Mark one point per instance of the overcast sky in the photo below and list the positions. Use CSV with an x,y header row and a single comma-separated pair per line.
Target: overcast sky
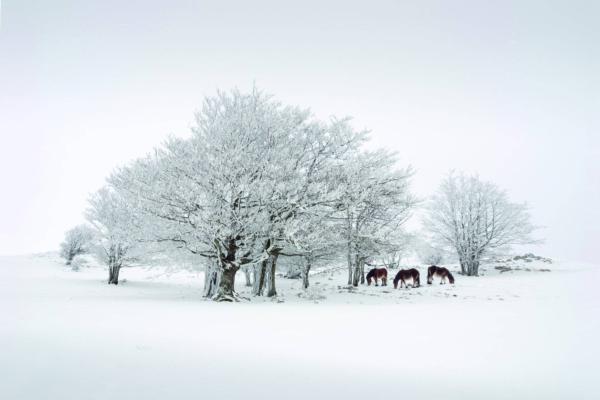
x,y
510,90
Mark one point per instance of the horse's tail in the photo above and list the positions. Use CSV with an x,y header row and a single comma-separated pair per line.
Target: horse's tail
x,y
450,278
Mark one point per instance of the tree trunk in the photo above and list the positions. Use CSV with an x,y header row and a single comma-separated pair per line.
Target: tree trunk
x,y
350,269
305,272
113,274
462,262
473,266
248,279
212,277
226,287
259,279
271,291
350,265
362,271
356,277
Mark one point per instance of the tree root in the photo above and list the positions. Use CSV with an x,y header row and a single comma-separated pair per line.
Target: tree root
x,y
232,298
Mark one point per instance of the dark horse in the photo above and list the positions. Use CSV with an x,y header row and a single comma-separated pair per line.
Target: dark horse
x,y
406,275
439,272
377,273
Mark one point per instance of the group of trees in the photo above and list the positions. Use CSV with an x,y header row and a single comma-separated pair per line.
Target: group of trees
x,y
258,181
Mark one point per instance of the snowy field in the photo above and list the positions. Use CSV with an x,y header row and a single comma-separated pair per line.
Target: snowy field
x,y
512,335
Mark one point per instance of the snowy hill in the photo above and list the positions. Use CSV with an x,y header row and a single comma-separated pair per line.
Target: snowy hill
x,y
528,328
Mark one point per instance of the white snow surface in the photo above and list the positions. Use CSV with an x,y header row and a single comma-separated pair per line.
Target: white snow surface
x,y
512,335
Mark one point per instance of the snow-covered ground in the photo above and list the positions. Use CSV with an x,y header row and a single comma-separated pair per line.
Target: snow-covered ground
x,y
512,335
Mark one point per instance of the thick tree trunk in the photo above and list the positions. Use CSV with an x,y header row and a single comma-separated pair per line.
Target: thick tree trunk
x,y
226,287
469,262
473,267
272,267
113,274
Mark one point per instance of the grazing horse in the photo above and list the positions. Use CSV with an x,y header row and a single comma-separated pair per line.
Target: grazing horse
x,y
377,273
439,272
406,275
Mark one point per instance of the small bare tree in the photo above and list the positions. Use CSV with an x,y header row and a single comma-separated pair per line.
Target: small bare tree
x,y
77,241
474,217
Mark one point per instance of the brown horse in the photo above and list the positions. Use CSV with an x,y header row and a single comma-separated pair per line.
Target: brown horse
x,y
406,275
439,272
377,273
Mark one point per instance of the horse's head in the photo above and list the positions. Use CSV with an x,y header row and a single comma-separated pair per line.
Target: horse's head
x,y
370,275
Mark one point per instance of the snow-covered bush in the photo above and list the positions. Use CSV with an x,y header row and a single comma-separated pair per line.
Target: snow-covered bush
x,y
78,263
77,241
428,253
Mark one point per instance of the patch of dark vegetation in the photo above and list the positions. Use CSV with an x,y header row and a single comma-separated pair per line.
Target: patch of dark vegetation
x,y
505,268
529,257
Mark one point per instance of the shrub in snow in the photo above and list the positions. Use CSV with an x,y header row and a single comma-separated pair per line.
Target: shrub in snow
x,y
77,241
313,293
78,263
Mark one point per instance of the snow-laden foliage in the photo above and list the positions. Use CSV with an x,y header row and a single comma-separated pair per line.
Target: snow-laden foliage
x,y
474,217
77,241
117,228
375,202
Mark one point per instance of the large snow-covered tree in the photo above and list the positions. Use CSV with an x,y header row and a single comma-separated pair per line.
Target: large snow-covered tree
x,y
77,241
474,217
228,192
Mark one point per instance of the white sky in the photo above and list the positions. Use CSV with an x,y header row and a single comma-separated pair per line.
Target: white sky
x,y
510,90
